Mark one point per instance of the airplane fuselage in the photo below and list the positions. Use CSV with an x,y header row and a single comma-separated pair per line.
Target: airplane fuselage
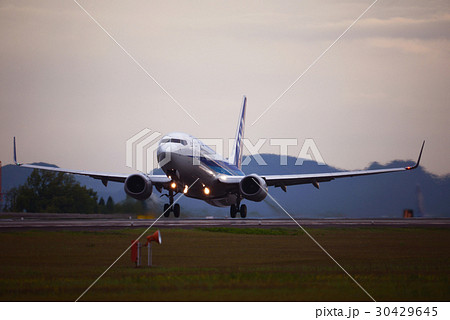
x,y
195,168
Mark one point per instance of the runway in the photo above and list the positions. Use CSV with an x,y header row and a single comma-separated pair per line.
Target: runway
x,y
80,221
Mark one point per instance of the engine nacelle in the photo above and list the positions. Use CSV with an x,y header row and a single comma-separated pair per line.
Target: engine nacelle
x,y
253,187
138,186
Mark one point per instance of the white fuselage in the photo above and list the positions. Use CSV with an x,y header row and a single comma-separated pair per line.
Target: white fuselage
x,y
192,165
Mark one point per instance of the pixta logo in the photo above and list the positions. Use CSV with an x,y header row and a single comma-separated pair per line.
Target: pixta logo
x,y
141,150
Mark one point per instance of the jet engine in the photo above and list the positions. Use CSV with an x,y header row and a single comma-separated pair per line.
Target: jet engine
x,y
253,187
138,186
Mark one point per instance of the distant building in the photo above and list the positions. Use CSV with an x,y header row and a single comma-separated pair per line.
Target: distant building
x,y
408,213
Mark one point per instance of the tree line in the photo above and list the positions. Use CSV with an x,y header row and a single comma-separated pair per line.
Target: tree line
x,y
57,192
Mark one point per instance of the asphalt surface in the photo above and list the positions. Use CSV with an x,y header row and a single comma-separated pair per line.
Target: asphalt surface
x,y
80,221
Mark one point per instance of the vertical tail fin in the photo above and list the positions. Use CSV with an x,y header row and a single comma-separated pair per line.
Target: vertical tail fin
x,y
236,153
15,154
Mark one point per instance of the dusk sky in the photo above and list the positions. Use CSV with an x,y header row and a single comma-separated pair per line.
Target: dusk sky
x,y
72,96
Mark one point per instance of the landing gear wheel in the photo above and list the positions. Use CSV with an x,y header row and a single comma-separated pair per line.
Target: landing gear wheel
x,y
233,211
166,210
176,210
243,211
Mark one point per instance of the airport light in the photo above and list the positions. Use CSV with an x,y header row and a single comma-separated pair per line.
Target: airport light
x,y
206,191
154,237
136,248
136,252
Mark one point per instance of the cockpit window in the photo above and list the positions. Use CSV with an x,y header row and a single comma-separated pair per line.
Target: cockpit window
x,y
174,140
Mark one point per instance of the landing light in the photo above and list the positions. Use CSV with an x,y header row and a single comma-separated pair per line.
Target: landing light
x,y
173,185
206,190
185,190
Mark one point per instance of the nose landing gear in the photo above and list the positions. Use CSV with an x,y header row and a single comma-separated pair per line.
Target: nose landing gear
x,y
168,207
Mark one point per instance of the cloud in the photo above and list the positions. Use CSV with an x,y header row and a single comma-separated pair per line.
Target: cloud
x,y
415,46
433,27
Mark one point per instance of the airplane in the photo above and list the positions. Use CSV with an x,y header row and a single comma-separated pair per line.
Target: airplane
x,y
197,171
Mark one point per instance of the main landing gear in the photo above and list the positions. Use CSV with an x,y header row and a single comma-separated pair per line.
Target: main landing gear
x,y
168,207
235,208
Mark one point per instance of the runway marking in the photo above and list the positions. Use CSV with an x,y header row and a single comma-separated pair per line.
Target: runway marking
x,y
38,221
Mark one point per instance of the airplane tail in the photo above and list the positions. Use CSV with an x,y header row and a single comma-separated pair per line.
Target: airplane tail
x,y
236,153
15,154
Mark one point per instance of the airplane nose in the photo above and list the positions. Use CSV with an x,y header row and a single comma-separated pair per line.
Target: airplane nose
x,y
161,152
161,156
162,148
165,150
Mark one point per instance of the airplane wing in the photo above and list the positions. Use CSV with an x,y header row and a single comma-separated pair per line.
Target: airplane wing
x,y
294,179
157,180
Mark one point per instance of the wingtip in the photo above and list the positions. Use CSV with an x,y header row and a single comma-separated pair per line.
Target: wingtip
x,y
15,153
418,160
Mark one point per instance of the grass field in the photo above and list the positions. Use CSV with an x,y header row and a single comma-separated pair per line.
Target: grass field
x,y
228,264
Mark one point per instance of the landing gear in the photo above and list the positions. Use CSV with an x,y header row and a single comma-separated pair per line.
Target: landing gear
x,y
175,208
243,210
233,211
166,210
235,208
